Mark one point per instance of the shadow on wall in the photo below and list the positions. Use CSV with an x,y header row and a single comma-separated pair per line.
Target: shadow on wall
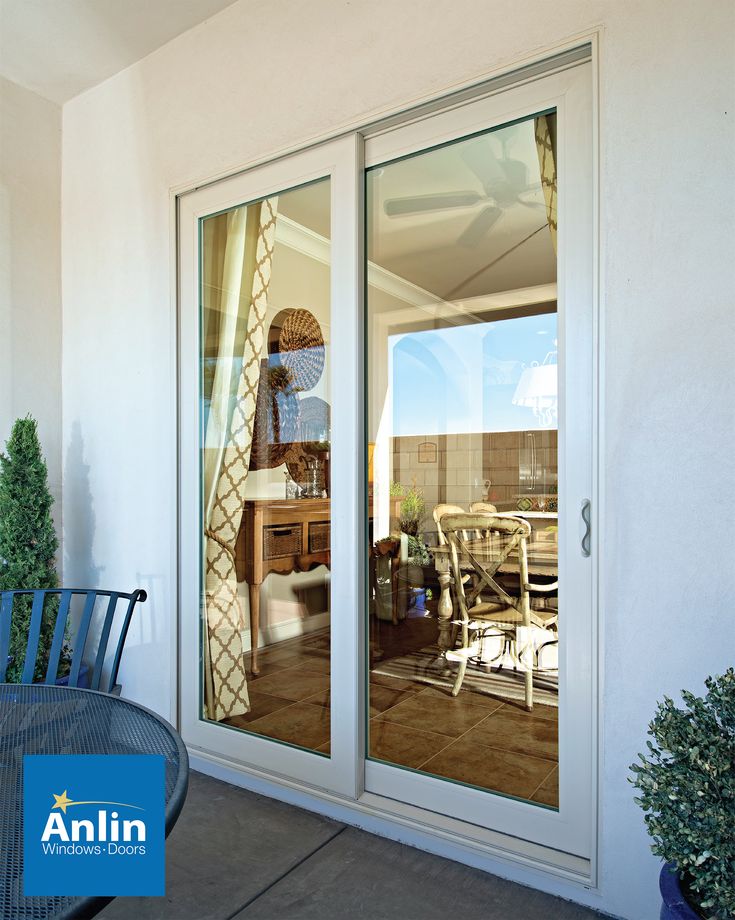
x,y
80,570
142,654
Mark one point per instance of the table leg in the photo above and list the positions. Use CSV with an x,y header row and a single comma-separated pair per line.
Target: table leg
x,y
445,612
254,591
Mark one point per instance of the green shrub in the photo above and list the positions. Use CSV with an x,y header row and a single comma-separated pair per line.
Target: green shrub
x,y
28,541
686,782
418,552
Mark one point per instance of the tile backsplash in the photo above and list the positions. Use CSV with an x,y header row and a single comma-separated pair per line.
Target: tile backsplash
x,y
514,463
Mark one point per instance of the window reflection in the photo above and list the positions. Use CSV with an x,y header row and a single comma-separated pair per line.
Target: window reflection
x,y
265,460
462,419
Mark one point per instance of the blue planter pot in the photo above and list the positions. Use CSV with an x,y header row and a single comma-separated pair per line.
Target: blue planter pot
x,y
84,677
675,906
83,681
417,604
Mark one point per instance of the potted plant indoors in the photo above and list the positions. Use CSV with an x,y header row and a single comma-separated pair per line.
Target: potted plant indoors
x,y
418,558
28,547
411,511
686,784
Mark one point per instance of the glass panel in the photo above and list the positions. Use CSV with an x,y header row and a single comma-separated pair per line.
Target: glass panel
x,y
462,420
265,434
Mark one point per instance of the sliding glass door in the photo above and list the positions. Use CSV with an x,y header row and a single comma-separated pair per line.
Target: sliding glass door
x,y
268,273
386,468
479,388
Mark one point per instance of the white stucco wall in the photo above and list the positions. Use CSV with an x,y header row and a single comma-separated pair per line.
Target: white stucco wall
x,y
30,270
265,75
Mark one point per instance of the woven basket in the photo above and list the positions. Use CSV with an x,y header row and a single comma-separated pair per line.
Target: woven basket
x,y
319,537
281,540
301,348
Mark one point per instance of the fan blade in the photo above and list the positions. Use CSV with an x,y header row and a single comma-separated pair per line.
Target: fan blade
x,y
480,226
480,158
536,205
516,173
395,207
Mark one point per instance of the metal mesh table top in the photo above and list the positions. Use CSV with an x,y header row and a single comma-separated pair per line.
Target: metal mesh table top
x,y
39,719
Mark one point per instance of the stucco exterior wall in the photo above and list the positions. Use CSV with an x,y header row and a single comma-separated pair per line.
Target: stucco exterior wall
x,y
30,270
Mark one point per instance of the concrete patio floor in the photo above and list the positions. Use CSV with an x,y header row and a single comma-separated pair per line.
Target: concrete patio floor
x,y
234,855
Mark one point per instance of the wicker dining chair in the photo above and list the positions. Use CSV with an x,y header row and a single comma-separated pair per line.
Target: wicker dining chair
x,y
439,511
480,544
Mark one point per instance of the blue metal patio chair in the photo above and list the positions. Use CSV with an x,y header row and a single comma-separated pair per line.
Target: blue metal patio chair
x,y
65,595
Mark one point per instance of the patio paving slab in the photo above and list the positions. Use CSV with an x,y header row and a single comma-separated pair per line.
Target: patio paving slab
x,y
227,846
235,855
364,877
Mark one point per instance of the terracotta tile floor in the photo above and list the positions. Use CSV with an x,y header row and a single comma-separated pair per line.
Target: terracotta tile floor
x,y
473,738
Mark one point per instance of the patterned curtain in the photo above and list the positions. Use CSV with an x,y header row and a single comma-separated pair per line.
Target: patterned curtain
x,y
248,255
545,129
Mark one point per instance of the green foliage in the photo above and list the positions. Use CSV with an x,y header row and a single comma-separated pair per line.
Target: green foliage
x,y
687,789
418,552
412,511
28,541
397,490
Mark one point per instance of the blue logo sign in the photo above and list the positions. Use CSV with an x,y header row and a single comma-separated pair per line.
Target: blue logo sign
x,y
93,824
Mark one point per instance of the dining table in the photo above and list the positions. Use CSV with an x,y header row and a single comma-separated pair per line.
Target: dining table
x,y
50,719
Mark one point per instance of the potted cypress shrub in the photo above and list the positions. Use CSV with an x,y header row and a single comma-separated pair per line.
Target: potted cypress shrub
x,y
686,784
28,545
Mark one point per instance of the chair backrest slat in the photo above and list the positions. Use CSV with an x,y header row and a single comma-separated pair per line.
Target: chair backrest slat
x,y
136,596
6,616
57,645
104,638
81,638
34,634
79,641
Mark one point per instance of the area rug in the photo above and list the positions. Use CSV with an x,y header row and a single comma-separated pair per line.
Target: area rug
x,y
422,667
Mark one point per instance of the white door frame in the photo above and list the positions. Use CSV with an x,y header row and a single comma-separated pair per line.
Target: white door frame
x,y
336,785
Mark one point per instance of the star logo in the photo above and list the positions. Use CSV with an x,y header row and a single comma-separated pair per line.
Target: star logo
x,y
61,801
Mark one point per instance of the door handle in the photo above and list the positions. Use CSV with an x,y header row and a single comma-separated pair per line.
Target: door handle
x,y
586,520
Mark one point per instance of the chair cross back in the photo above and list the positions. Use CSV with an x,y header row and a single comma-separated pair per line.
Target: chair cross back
x,y
458,527
40,603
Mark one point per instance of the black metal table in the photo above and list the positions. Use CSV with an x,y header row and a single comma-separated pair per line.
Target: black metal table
x,y
39,719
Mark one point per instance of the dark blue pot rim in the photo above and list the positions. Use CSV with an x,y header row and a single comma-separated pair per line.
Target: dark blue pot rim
x,y
677,905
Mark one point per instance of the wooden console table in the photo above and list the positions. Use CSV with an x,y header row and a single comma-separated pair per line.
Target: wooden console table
x,y
279,535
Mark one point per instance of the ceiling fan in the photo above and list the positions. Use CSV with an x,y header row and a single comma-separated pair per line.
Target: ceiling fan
x,y
504,181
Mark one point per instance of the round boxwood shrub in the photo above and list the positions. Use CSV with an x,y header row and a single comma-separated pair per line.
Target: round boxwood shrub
x,y
686,782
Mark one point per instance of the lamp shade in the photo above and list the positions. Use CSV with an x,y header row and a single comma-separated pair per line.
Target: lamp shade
x,y
537,389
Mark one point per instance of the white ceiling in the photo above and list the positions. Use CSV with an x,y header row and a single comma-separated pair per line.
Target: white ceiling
x,y
59,48
427,248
